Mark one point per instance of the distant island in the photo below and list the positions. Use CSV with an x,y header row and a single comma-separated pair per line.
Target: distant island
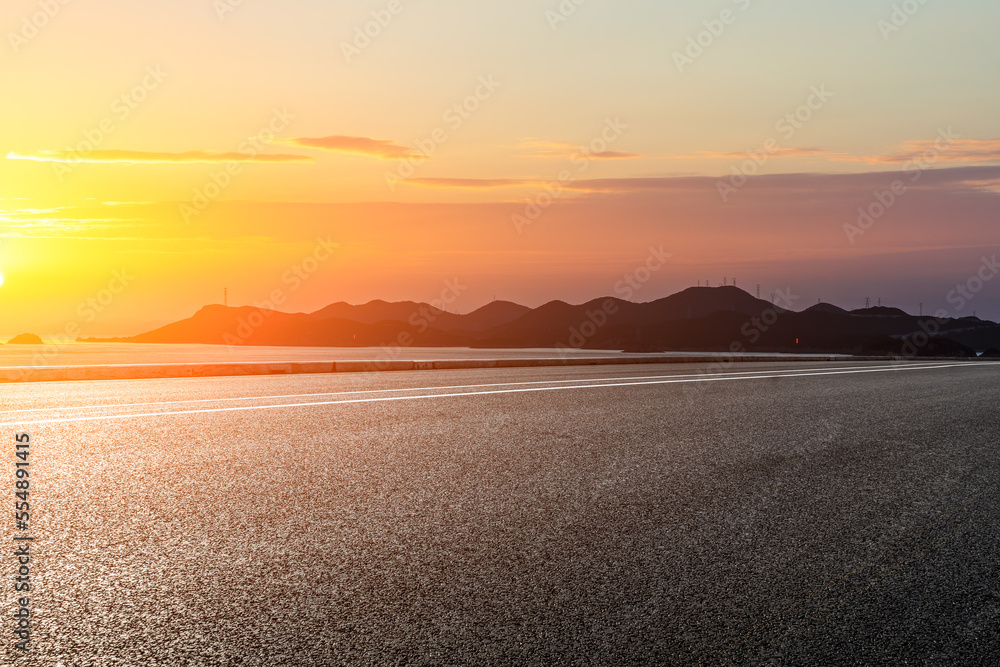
x,y
707,319
26,339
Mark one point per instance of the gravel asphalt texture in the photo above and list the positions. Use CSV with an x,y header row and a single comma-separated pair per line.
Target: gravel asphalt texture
x,y
848,519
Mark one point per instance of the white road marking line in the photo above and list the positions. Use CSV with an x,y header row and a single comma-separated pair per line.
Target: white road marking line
x,y
459,386
471,393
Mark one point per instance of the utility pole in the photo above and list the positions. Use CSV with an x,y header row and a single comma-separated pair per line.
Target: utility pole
x,y
921,310
225,297
868,302
758,291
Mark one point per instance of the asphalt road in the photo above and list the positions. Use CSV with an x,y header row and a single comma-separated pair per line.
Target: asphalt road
x,y
775,514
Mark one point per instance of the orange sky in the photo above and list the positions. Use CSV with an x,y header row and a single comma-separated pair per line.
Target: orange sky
x,y
157,153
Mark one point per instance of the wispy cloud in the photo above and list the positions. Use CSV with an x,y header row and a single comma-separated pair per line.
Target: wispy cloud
x,y
976,178
472,183
582,186
147,157
957,150
40,226
380,148
564,149
778,152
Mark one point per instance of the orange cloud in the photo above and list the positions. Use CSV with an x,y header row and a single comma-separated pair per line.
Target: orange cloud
x,y
380,148
585,186
937,150
472,183
565,149
147,157
978,178
780,152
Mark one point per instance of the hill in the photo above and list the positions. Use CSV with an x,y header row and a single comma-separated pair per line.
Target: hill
x,y
696,319
879,311
26,339
826,308
491,315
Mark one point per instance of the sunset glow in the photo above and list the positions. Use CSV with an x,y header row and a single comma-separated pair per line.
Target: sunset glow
x,y
509,332
200,146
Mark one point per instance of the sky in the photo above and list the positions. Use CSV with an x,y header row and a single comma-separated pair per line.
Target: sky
x,y
155,154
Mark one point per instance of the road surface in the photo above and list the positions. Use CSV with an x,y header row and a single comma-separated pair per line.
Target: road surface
x,y
779,514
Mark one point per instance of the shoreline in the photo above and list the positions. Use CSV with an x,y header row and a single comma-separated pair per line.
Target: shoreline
x,y
29,374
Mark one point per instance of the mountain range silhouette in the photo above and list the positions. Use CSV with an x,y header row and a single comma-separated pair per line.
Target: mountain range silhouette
x,y
696,319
